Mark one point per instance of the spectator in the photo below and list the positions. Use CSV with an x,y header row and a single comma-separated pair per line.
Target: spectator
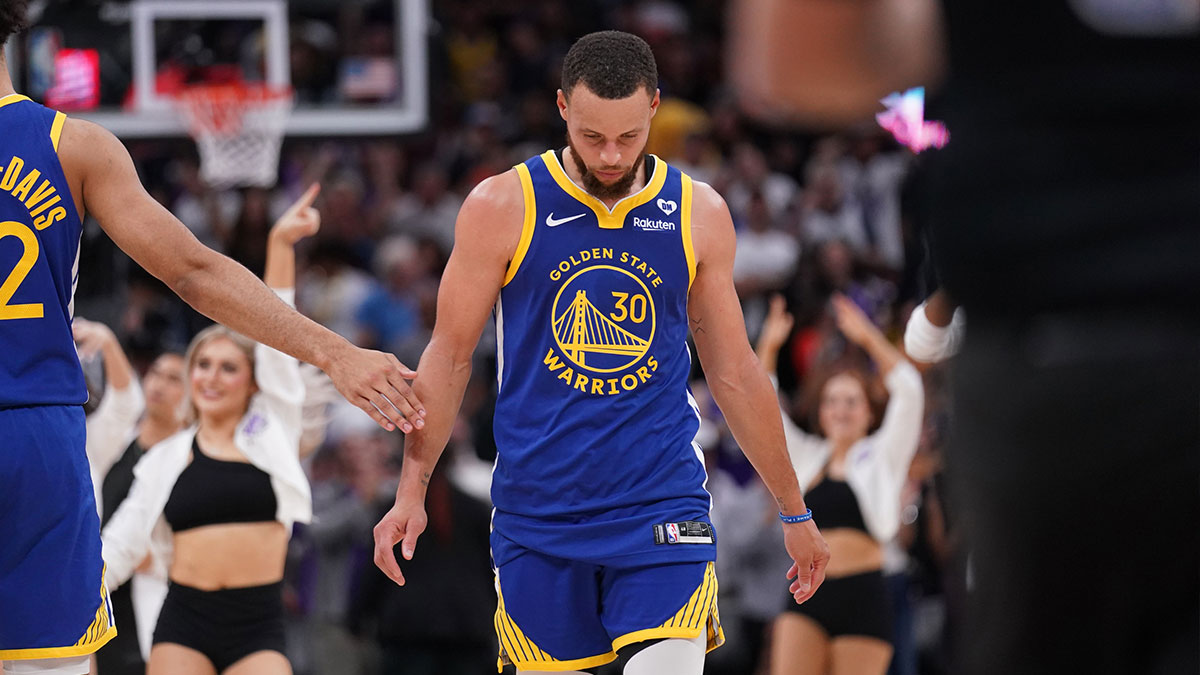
x,y
752,175
872,180
855,480
388,315
826,214
456,579
429,210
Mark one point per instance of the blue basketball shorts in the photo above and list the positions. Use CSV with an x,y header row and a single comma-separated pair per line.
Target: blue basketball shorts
x,y
53,602
555,614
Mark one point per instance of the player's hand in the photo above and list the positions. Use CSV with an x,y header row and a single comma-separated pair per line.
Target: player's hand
x,y
810,554
300,220
852,321
91,336
403,523
378,384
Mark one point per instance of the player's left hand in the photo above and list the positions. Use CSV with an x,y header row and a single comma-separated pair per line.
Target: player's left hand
x,y
810,555
402,524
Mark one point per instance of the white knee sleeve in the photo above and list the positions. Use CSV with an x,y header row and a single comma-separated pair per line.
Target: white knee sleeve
x,y
70,665
673,656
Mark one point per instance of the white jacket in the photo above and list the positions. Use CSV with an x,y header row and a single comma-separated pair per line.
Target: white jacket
x,y
268,434
111,427
876,466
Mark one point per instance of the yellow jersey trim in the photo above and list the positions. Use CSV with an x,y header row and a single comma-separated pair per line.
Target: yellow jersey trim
x,y
608,219
527,227
519,650
12,98
698,614
685,226
98,633
56,128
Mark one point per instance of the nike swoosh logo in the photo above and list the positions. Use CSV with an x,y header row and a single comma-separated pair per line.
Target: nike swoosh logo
x,y
551,222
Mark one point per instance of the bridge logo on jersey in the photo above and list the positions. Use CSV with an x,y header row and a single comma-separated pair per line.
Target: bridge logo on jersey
x,y
603,321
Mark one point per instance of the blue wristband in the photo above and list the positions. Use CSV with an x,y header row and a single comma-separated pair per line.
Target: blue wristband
x,y
807,515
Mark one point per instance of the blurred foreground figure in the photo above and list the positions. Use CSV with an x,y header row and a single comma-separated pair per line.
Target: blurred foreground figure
x,y
1065,215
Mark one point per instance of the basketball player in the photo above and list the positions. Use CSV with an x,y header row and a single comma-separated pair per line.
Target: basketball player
x,y
1065,213
598,259
54,608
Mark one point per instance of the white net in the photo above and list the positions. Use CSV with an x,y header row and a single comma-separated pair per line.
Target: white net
x,y
238,130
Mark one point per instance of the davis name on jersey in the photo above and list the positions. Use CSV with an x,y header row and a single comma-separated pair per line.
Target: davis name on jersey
x,y
20,184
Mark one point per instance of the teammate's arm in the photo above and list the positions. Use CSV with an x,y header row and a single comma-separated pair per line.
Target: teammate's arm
x,y
220,288
741,387
940,308
486,236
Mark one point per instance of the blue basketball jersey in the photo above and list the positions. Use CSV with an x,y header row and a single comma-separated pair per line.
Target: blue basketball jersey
x,y
39,261
594,423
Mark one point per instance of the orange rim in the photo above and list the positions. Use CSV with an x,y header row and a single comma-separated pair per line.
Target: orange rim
x,y
219,108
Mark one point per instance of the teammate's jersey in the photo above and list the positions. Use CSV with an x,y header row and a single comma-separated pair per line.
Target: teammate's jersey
x,y
39,261
595,422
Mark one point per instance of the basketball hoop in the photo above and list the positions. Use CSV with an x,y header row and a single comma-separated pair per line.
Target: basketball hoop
x,y
238,129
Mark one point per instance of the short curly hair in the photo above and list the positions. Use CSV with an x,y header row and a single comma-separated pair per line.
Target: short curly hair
x,y
611,64
13,18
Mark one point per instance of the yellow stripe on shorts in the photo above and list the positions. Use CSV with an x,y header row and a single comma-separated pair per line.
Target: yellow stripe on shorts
x,y
699,614
519,650
98,633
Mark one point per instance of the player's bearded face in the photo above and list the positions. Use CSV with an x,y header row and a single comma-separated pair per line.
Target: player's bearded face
x,y
598,187
607,137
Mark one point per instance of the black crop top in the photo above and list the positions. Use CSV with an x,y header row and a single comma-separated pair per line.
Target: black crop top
x,y
212,491
834,505
118,480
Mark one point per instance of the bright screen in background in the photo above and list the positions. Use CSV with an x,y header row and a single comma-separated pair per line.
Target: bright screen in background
x,y
76,80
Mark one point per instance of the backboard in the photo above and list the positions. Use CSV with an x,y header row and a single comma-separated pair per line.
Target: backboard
x,y
359,68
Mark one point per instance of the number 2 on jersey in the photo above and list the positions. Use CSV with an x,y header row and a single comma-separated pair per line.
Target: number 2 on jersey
x,y
9,288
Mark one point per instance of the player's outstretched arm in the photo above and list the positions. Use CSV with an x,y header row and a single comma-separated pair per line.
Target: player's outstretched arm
x,y
486,237
741,387
103,173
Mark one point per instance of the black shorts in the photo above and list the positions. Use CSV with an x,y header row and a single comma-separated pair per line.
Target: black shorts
x,y
1066,427
855,605
225,625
